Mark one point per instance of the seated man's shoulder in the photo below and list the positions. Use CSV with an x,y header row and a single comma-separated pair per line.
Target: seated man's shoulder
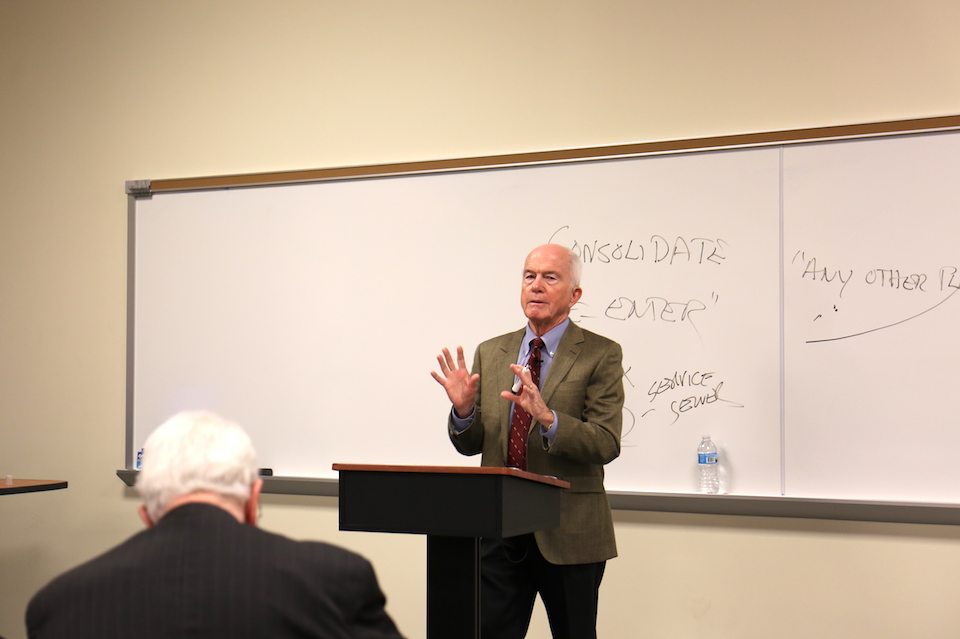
x,y
330,555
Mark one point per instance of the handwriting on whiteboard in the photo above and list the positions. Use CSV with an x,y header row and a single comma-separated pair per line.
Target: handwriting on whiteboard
x,y
886,279
687,391
657,249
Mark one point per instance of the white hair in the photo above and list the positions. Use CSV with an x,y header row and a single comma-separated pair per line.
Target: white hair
x,y
195,451
576,267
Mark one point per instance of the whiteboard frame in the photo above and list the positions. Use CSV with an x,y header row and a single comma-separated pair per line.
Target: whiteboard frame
x,y
145,188
775,506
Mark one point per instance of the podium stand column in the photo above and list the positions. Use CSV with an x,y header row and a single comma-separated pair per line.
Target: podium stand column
x,y
453,587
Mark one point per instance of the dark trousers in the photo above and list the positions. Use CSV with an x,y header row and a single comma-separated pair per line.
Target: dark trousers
x,y
513,572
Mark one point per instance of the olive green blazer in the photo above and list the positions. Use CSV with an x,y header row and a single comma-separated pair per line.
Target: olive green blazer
x,y
584,386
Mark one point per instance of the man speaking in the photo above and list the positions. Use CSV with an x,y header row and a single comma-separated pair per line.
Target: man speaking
x,y
547,398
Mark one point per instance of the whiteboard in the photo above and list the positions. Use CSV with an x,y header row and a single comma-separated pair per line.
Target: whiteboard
x,y
313,313
794,301
872,268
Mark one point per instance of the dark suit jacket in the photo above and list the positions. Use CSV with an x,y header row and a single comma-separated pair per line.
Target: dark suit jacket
x,y
585,388
200,573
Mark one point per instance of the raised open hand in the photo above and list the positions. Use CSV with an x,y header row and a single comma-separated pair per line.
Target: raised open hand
x,y
456,379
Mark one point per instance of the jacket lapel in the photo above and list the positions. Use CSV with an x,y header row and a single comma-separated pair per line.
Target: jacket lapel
x,y
506,355
571,344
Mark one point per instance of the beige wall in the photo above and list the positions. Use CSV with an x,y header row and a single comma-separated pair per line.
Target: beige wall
x,y
96,93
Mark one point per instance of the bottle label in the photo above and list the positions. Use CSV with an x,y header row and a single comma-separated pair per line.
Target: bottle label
x,y
707,458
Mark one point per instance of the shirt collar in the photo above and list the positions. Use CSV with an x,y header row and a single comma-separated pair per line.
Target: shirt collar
x,y
551,338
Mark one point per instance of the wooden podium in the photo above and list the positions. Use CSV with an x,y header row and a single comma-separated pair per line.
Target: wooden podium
x,y
454,507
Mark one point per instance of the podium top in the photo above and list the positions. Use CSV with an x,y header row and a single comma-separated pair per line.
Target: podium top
x,y
454,470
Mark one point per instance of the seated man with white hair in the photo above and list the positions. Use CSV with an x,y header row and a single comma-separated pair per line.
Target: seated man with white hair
x,y
202,568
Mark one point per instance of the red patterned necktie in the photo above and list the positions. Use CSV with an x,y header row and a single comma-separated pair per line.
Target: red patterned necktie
x,y
520,425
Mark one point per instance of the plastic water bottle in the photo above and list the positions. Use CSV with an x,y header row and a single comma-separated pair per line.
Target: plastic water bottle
x,y
707,462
